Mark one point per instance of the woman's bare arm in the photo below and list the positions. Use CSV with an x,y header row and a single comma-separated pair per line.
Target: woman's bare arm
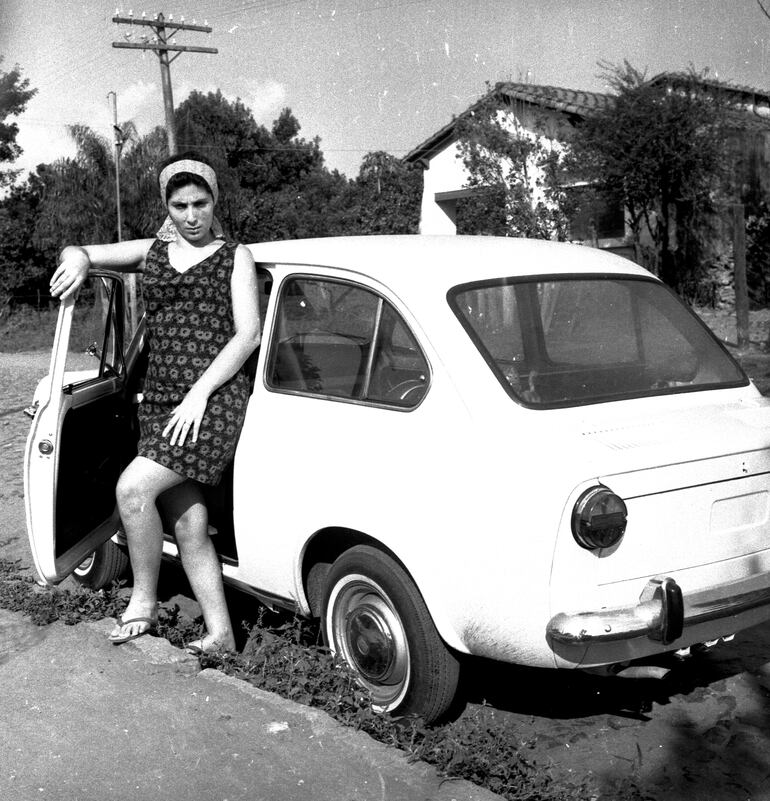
x,y
75,262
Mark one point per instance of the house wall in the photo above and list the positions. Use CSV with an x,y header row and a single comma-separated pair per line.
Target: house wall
x,y
446,173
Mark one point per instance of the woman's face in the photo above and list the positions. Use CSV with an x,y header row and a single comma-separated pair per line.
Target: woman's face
x,y
191,209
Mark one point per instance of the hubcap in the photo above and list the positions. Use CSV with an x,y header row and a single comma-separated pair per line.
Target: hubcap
x,y
369,635
371,643
85,565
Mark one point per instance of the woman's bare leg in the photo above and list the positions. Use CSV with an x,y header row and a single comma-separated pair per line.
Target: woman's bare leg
x,y
187,509
138,489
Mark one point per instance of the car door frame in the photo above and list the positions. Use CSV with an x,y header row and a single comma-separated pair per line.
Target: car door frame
x,y
42,457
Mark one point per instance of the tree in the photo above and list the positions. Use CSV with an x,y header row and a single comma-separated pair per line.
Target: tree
x,y
518,174
23,265
274,184
385,197
142,207
14,96
251,161
78,203
658,148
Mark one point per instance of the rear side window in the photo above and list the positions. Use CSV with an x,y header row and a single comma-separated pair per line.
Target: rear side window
x,y
340,340
566,341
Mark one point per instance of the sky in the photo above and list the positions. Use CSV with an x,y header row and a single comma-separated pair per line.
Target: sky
x,y
362,75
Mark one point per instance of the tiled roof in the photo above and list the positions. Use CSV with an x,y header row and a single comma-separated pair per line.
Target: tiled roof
x,y
751,107
569,101
726,86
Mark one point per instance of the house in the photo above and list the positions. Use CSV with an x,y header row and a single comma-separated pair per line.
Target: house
x,y
533,110
551,112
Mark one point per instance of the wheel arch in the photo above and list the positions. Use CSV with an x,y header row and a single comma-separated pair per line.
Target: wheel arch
x,y
328,544
321,551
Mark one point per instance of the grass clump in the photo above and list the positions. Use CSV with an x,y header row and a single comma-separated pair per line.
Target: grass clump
x,y
43,605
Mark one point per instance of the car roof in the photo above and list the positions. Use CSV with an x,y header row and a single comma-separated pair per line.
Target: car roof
x,y
448,260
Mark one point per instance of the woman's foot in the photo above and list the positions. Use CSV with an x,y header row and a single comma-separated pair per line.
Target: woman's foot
x,y
134,623
210,644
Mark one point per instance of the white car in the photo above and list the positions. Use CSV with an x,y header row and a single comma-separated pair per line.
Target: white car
x,y
524,450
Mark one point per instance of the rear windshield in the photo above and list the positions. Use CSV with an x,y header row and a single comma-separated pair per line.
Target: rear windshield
x,y
565,341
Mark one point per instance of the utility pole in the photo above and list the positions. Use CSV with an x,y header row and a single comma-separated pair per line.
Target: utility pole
x,y
118,142
118,147
162,44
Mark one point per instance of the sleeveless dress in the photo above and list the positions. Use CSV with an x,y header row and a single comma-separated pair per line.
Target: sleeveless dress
x,y
189,320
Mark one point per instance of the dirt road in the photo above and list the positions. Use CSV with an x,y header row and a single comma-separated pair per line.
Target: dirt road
x,y
702,733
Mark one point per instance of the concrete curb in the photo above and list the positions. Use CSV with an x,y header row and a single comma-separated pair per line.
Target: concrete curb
x,y
276,715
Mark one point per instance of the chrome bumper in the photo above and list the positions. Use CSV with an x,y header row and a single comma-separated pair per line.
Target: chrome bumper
x,y
662,613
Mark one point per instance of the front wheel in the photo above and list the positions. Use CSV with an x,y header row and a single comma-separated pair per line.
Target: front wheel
x,y
107,564
375,619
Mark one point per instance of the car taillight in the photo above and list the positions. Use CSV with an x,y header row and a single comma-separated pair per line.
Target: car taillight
x,y
599,518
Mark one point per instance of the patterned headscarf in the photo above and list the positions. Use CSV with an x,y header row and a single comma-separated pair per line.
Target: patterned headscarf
x,y
168,232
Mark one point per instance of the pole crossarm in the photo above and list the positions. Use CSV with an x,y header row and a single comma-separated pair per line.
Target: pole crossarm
x,y
157,23
161,47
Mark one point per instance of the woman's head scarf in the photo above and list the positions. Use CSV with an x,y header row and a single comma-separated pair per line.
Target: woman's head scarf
x,y
168,232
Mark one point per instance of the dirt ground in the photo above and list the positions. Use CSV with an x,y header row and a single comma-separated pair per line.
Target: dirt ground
x,y
701,733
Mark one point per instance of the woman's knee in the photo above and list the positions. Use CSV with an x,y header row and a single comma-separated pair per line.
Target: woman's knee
x,y
191,526
133,493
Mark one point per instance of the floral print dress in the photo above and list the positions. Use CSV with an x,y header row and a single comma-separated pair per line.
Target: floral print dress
x,y
189,321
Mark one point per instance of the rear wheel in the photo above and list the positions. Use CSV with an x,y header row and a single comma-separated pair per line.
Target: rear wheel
x,y
375,619
107,564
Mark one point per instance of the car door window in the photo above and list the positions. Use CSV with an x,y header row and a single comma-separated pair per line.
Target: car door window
x,y
95,349
340,340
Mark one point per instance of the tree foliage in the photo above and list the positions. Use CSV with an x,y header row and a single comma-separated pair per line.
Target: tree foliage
x,y
387,195
273,185
22,262
255,166
517,172
14,96
658,148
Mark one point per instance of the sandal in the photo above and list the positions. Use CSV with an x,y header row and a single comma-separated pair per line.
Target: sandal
x,y
152,624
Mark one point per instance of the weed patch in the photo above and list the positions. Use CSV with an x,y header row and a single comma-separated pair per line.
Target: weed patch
x,y
284,656
44,605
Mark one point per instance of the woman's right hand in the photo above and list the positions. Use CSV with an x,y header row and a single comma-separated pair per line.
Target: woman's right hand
x,y
71,272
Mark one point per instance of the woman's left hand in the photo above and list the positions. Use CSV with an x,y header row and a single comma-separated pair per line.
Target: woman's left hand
x,y
186,418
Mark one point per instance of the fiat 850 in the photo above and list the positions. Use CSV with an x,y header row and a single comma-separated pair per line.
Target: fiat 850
x,y
528,451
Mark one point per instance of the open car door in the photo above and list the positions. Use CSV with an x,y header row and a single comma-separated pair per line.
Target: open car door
x,y
84,431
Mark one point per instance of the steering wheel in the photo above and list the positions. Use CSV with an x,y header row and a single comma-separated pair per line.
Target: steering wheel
x,y
401,391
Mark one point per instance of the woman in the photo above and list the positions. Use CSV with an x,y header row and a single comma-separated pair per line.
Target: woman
x,y
202,322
